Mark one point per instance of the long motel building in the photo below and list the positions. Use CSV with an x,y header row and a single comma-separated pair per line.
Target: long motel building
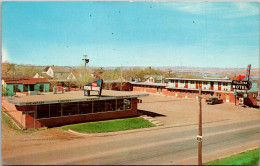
x,y
189,88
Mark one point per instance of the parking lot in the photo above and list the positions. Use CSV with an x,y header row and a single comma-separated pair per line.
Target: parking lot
x,y
178,111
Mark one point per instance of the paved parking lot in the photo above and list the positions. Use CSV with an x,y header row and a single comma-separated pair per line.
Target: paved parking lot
x,y
178,111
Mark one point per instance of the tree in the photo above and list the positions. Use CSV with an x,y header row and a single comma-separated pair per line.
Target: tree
x,y
84,76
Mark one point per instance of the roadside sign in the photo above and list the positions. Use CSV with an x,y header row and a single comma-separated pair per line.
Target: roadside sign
x,y
241,85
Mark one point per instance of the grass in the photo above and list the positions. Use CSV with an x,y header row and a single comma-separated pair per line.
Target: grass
x,y
110,125
246,158
8,121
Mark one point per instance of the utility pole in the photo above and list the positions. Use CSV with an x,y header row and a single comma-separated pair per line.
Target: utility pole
x,y
121,78
85,60
199,136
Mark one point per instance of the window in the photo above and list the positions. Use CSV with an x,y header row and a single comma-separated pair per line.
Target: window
x,y
182,81
99,106
225,84
110,105
69,109
123,104
85,107
55,110
42,111
205,83
192,82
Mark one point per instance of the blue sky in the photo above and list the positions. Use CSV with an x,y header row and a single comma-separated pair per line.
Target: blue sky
x,y
197,34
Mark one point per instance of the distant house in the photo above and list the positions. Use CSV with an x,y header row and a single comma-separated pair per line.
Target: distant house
x,y
54,72
154,78
12,85
74,75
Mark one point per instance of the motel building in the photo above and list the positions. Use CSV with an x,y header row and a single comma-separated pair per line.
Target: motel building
x,y
49,109
189,88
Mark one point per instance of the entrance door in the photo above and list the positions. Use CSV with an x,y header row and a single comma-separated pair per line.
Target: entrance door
x,y
219,86
200,83
211,85
186,84
197,85
176,83
227,98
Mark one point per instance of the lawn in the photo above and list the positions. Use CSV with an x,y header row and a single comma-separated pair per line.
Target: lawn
x,y
247,158
109,125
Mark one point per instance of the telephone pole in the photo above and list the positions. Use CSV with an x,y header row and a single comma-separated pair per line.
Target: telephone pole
x,y
199,136
85,60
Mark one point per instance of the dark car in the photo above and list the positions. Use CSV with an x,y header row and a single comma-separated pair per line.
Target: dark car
x,y
214,100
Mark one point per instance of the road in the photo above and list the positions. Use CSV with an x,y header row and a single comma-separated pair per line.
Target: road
x,y
169,145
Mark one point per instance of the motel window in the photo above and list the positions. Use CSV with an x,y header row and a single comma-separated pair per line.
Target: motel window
x,y
110,105
85,107
42,111
182,81
25,88
99,106
205,83
225,84
172,81
192,82
69,109
55,110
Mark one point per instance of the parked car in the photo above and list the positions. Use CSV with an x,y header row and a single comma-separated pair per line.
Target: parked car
x,y
214,100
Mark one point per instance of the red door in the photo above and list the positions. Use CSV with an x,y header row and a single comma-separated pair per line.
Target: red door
x,y
219,86
200,84
197,86
186,84
211,85
176,83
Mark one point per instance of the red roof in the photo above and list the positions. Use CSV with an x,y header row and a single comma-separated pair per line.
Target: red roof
x,y
25,80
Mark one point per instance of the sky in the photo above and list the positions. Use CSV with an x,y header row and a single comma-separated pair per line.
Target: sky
x,y
192,34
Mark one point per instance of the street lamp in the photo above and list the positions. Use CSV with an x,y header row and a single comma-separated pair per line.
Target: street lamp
x,y
85,60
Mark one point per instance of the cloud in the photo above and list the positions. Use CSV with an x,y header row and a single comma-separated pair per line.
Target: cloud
x,y
4,55
219,9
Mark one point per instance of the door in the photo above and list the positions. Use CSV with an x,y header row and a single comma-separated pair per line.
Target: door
x,y
219,86
211,85
186,84
200,83
31,87
176,83
197,85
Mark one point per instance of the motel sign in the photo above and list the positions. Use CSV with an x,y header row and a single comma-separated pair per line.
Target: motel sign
x,y
241,85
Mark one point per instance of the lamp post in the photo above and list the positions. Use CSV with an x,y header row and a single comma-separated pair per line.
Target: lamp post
x,y
85,60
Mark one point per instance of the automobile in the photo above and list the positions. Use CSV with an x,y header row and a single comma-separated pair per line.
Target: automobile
x,y
214,100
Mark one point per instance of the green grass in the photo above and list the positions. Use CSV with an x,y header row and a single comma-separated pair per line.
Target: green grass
x,y
8,121
110,125
246,158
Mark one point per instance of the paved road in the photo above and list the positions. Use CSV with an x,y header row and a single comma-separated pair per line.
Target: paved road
x,y
164,146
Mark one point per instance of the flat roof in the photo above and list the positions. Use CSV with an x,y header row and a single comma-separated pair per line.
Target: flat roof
x,y
200,79
149,83
72,96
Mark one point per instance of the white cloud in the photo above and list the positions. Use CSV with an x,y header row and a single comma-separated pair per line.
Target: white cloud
x,y
4,55
223,9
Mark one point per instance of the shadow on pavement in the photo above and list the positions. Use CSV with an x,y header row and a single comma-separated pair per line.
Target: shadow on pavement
x,y
148,113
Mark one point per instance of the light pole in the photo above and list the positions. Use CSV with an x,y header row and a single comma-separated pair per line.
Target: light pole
x,y
85,60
